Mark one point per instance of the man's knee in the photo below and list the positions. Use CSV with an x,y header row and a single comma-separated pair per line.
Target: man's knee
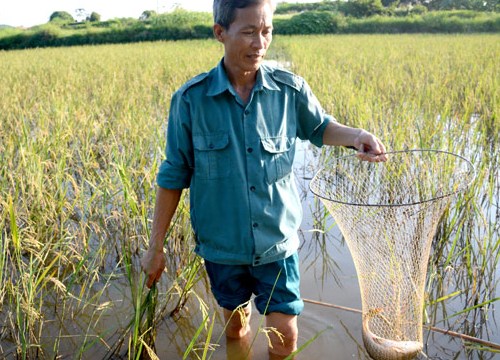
x,y
237,322
284,333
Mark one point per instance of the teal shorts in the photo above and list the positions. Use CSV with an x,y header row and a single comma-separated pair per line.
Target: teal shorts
x,y
276,285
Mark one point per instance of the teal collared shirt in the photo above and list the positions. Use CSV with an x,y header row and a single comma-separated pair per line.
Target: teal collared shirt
x,y
237,158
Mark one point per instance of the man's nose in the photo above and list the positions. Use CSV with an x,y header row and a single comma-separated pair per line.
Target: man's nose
x,y
259,41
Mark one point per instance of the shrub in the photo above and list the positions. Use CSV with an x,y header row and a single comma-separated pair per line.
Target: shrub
x,y
182,18
61,17
289,8
362,8
418,10
148,14
385,25
94,17
311,22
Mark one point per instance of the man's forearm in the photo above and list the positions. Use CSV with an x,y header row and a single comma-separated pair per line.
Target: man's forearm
x,y
166,203
340,135
369,147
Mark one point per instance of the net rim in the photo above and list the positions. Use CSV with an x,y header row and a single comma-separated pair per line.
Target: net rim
x,y
471,171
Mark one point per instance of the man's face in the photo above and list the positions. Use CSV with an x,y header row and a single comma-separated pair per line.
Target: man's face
x,y
248,37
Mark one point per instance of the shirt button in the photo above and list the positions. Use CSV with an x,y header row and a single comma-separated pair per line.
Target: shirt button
x,y
255,225
252,188
247,112
250,150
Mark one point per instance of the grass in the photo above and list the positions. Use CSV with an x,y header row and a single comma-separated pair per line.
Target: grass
x,y
82,134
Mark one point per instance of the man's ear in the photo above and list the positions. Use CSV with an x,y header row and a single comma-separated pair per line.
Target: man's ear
x,y
218,32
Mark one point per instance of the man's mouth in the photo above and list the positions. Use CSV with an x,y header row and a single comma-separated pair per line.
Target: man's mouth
x,y
256,56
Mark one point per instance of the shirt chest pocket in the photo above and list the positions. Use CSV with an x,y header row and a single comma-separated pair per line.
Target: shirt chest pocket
x,y
211,158
278,157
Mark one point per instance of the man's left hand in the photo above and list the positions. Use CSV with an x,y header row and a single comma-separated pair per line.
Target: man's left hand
x,y
370,148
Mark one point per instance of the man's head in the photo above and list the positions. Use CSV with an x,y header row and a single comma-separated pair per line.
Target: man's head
x,y
225,10
245,28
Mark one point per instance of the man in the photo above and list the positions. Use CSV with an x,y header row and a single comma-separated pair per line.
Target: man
x,y
231,140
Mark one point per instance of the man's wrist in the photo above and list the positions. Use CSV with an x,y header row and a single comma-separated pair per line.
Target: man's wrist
x,y
156,247
356,142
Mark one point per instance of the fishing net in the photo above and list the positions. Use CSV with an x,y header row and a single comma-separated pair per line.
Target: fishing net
x,y
388,213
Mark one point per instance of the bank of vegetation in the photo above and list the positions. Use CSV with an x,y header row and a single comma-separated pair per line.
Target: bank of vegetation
x,y
325,17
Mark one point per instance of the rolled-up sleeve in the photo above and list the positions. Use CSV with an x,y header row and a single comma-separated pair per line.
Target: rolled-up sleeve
x,y
312,119
176,170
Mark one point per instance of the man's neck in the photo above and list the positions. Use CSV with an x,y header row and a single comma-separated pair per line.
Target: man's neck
x,y
242,81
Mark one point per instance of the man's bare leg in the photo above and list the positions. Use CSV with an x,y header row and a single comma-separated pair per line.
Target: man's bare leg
x,y
238,333
238,321
286,325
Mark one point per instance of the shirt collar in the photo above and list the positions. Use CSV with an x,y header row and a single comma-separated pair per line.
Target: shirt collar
x,y
220,82
266,79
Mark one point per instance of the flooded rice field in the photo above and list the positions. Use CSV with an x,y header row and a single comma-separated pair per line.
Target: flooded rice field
x,y
82,133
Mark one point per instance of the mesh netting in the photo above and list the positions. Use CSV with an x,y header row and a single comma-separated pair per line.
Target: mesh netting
x,y
388,213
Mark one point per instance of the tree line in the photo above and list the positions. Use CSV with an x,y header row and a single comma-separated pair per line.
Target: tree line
x,y
362,8
325,17
354,8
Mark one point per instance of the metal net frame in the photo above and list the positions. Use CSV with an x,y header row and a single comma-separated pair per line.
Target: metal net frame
x,y
388,212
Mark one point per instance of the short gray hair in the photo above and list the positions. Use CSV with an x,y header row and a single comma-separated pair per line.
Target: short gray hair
x,y
225,10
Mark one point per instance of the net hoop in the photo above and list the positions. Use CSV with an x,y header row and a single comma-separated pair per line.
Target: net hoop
x,y
470,173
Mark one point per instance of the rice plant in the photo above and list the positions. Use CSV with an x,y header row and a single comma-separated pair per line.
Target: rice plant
x,y
82,133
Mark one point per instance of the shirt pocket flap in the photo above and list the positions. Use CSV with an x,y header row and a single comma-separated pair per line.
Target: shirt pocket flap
x,y
210,142
276,145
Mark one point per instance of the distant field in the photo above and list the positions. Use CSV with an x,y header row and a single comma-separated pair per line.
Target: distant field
x,y
82,134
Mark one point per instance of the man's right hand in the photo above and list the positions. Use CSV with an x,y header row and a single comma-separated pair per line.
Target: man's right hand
x,y
153,263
